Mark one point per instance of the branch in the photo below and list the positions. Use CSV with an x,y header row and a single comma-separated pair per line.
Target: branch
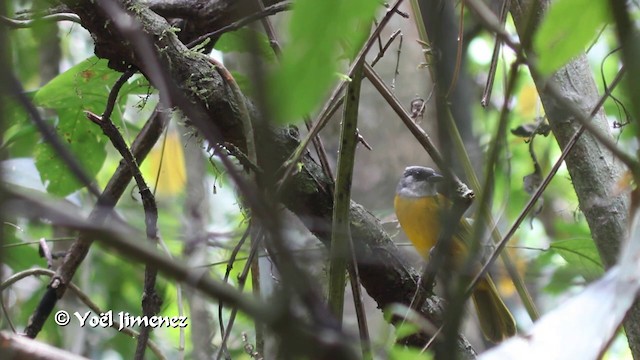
x,y
23,348
151,301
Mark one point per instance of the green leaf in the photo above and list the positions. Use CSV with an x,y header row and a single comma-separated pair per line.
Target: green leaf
x,y
83,87
21,134
567,28
14,114
240,41
19,254
581,254
399,352
19,140
406,329
320,31
562,279
245,85
85,142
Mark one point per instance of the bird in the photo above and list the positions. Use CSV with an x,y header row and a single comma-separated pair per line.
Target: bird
x,y
418,206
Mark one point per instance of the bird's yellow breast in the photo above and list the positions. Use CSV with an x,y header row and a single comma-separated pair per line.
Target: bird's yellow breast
x,y
421,220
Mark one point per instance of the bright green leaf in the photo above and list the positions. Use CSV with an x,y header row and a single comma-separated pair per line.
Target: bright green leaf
x,y
567,28
406,329
86,143
343,77
399,352
19,254
19,140
14,114
581,254
321,32
83,87
86,84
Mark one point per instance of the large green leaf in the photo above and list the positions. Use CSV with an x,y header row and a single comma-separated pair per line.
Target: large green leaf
x,y
320,32
85,86
581,254
567,28
86,143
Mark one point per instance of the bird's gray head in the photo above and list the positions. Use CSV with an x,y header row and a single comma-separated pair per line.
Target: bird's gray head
x,y
418,181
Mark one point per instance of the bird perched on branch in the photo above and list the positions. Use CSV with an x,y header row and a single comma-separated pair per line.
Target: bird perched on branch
x,y
419,209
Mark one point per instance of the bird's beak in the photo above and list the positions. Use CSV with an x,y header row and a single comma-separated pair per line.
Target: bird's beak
x,y
436,178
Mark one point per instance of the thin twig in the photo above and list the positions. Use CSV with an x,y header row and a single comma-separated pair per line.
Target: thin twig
x,y
456,72
151,301
268,11
243,112
230,262
493,66
396,72
242,279
23,24
386,46
6,315
269,30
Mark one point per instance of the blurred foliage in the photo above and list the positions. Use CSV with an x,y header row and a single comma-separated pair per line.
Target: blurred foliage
x,y
567,29
244,40
309,61
406,353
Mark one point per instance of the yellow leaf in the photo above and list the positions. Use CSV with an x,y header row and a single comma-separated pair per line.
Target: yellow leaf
x,y
172,176
528,104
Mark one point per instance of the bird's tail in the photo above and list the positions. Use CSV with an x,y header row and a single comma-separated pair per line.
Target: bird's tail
x,y
496,321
